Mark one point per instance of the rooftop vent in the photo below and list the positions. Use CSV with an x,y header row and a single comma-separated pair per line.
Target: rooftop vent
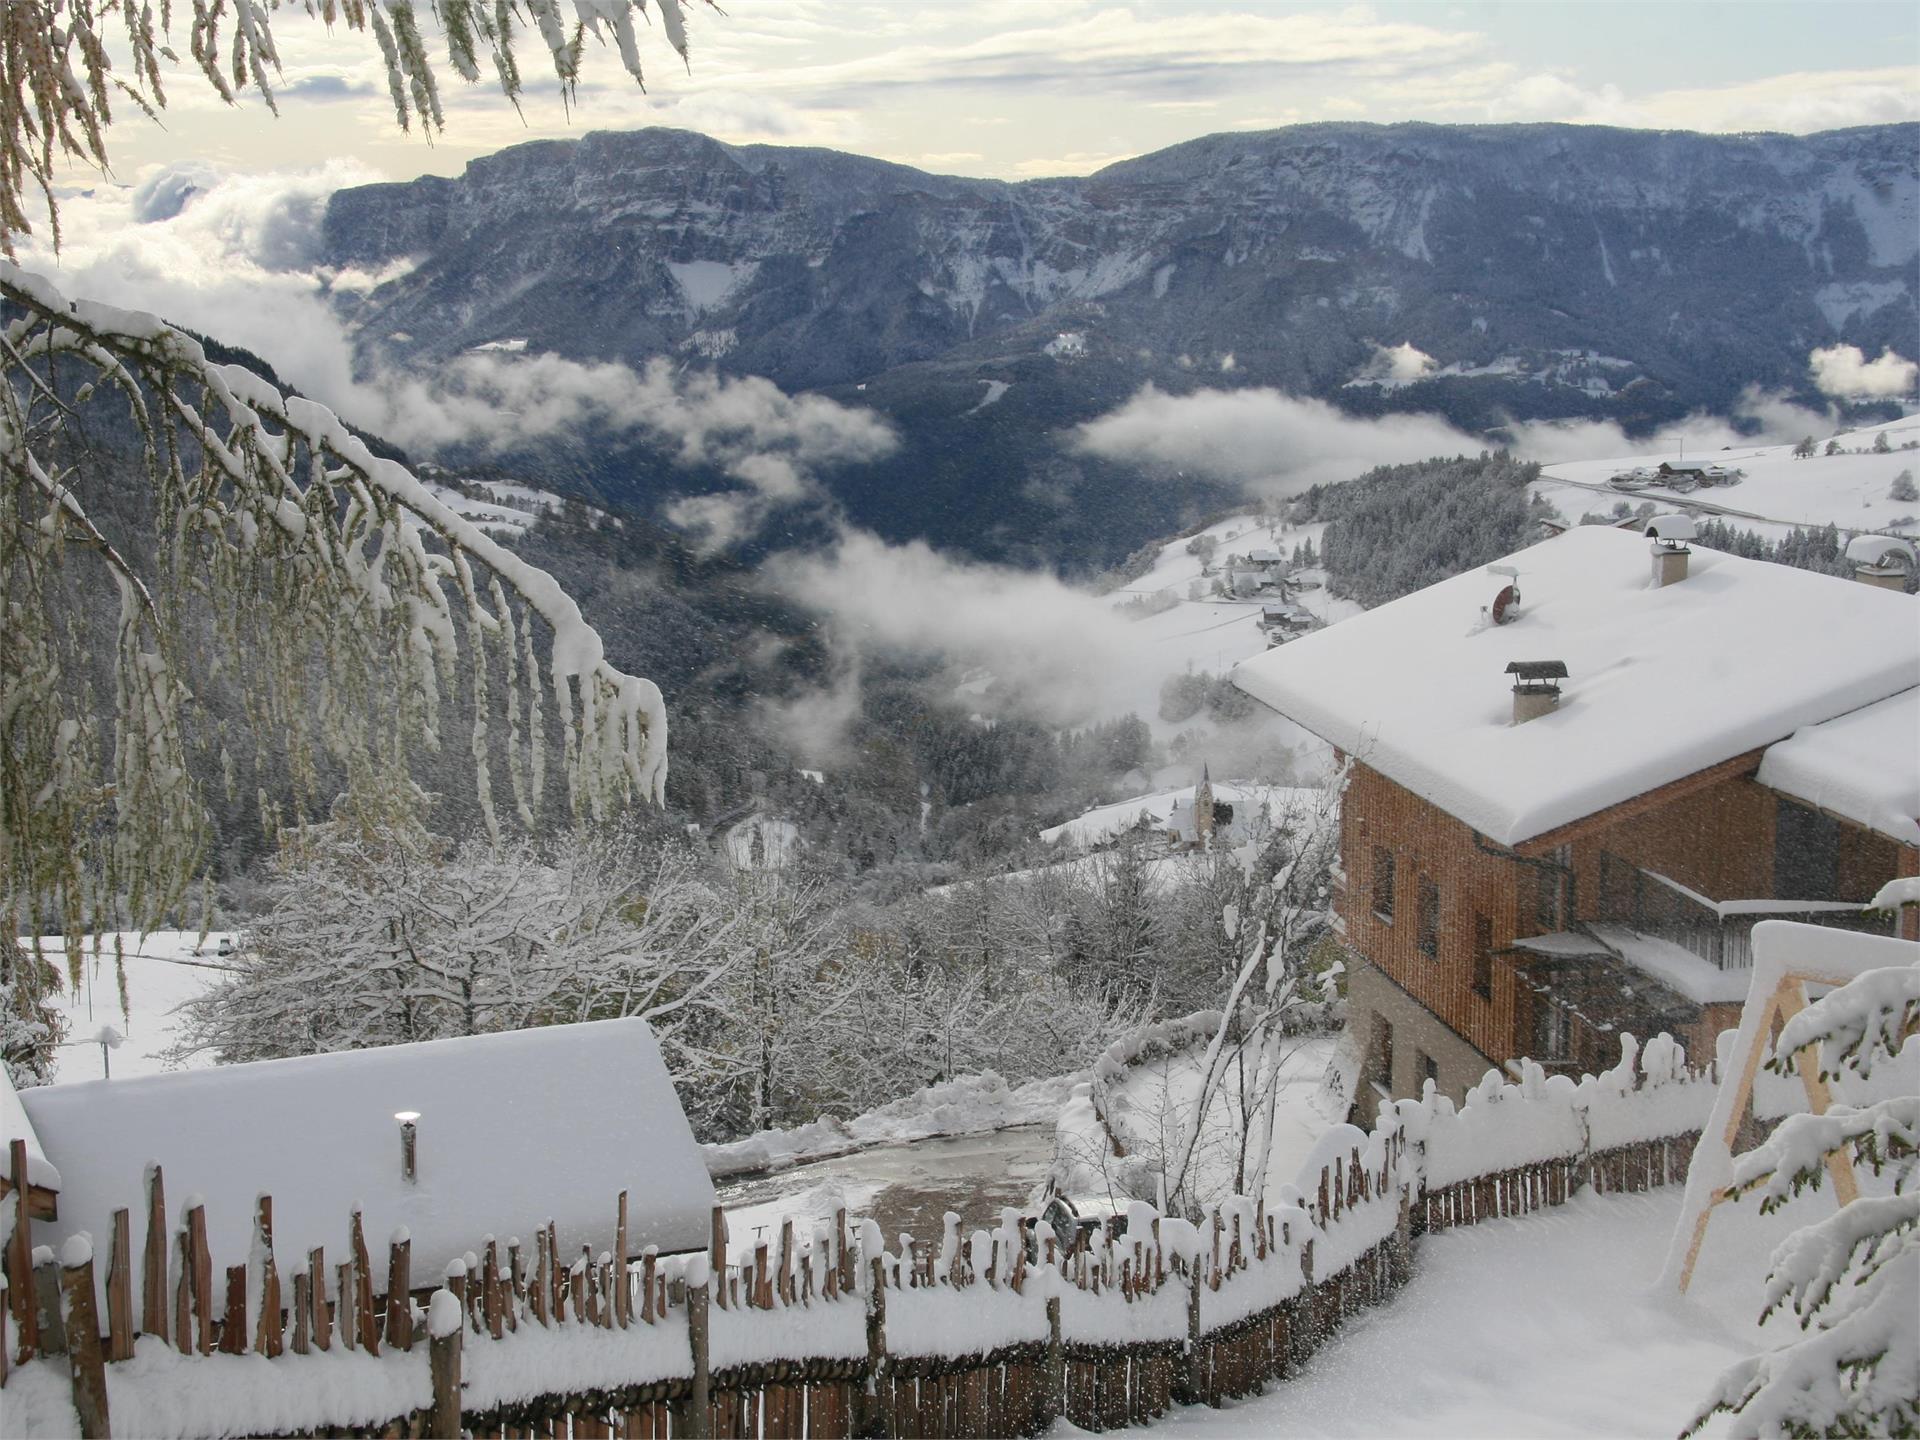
x,y
1670,534
1536,687
1881,560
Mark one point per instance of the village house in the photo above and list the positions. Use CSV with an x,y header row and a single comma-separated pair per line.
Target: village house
x,y
1561,828
445,1141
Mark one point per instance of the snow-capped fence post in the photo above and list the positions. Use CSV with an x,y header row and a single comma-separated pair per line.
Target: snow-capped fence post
x,y
233,1327
699,1412
446,1325
873,1407
321,1317
369,1321
87,1364
20,1279
52,1324
271,1337
400,1290
153,1276
1052,1398
120,1288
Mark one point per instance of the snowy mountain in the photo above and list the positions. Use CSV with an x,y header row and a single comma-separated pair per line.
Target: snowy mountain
x,y
1539,270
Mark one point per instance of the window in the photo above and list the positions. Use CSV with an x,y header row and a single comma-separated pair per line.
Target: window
x,y
1619,881
1382,1058
1550,892
1429,919
1383,883
1806,853
1429,1070
1551,1030
1483,957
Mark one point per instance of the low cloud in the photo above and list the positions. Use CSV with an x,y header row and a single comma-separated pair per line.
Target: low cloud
x,y
1060,652
1763,418
1398,364
1272,443
1844,372
237,257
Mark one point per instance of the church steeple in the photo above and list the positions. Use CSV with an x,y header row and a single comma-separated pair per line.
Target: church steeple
x,y
1203,809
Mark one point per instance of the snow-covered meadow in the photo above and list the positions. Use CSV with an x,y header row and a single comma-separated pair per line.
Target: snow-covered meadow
x,y
1850,489
163,969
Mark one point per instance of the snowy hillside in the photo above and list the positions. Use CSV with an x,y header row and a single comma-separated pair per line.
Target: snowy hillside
x,y
1211,634
1849,489
1105,821
502,508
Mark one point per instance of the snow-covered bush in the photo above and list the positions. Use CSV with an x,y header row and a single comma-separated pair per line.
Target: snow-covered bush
x,y
1852,1280
30,1028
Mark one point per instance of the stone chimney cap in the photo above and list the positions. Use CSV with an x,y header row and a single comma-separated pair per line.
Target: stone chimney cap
x,y
1539,674
1672,529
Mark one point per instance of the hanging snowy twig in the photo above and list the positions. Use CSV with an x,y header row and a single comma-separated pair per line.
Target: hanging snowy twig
x,y
340,591
58,76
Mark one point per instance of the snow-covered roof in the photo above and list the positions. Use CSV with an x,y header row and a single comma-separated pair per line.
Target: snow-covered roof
x,y
1864,766
1663,682
14,1125
514,1128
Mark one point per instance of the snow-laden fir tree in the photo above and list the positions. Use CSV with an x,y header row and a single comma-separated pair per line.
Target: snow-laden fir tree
x,y
270,554
1851,1280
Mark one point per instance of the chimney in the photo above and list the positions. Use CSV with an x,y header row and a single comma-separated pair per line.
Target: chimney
x,y
1883,561
1670,534
1536,687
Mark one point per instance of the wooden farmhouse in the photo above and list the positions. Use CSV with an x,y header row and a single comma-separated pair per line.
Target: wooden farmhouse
x,y
446,1141
1562,828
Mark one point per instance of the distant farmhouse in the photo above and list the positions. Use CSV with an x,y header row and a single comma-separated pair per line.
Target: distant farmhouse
x,y
1688,747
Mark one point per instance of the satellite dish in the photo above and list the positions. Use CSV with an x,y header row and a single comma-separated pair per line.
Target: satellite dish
x,y
1506,605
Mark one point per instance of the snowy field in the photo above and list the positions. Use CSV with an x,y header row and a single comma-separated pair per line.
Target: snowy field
x,y
162,970
1778,492
1213,635
1542,1327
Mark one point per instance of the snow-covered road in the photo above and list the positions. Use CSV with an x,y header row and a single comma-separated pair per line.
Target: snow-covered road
x,y
907,1187
1543,1326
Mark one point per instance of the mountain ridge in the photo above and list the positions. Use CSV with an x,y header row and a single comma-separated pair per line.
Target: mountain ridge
x,y
1548,271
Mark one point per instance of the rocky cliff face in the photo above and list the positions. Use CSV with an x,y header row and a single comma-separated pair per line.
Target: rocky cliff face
x,y
1547,270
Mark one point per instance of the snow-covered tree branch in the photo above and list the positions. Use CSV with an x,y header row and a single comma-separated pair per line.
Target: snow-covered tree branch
x,y
1851,1280
257,546
59,76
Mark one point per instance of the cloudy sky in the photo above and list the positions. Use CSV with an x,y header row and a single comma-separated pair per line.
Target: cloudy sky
x,y
1018,88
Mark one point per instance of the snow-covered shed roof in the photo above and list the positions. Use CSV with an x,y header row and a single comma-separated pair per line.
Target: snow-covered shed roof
x,y
514,1128
1864,766
14,1125
1664,682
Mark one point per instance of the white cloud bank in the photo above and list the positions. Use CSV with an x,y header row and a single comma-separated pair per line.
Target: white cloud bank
x,y
1844,372
1270,442
1061,651
237,257
1276,444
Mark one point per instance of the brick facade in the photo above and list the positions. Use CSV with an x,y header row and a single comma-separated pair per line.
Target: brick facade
x,y
1455,904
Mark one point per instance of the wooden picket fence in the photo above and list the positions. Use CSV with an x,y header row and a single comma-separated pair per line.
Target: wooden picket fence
x,y
1109,1331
